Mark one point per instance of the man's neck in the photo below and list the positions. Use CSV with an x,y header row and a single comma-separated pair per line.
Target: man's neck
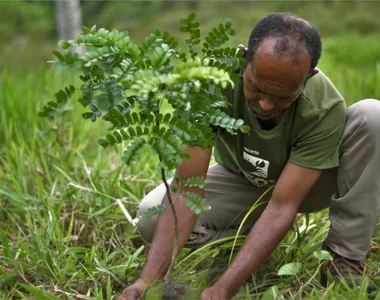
x,y
270,123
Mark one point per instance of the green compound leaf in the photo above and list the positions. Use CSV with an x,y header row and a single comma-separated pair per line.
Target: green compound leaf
x,y
195,203
133,149
194,182
62,97
128,85
153,211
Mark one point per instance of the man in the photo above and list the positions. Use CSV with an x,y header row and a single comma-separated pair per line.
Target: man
x,y
317,153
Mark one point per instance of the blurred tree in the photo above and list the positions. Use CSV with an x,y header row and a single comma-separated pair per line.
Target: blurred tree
x,y
92,9
69,20
23,20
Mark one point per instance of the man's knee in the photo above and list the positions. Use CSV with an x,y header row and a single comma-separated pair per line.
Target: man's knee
x,y
147,226
367,114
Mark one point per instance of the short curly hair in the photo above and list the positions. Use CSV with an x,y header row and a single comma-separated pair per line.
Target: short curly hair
x,y
289,29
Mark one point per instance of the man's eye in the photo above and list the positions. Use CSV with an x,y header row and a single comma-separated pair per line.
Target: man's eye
x,y
256,89
284,98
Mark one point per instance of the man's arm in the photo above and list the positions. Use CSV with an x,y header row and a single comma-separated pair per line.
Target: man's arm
x,y
276,220
160,253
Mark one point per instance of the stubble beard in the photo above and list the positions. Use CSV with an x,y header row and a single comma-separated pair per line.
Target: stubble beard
x,y
264,117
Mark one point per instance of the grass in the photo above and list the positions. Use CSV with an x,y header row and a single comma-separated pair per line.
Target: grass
x,y
63,232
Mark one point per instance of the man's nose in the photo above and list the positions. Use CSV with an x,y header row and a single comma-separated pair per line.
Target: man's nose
x,y
266,104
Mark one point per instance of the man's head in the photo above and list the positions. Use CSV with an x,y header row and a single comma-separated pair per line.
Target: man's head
x,y
282,54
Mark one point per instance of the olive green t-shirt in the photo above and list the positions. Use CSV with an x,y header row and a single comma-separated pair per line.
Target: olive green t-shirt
x,y
308,134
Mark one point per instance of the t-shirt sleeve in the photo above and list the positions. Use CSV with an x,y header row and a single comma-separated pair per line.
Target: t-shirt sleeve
x,y
318,146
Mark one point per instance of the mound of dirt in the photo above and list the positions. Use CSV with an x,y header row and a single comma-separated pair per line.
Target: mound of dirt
x,y
168,291
173,291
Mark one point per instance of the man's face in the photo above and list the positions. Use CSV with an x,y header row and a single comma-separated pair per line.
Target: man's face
x,y
272,83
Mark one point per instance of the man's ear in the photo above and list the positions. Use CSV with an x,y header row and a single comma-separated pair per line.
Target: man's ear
x,y
313,72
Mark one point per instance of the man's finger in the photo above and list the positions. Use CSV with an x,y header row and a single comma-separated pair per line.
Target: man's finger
x,y
241,46
128,295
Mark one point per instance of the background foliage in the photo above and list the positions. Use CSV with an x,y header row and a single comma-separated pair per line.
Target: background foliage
x,y
29,26
62,230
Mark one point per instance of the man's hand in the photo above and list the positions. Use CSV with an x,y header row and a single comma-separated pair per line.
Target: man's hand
x,y
160,253
134,291
215,293
273,224
241,46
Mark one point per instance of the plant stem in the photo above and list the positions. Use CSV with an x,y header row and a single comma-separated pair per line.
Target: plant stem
x,y
169,273
308,282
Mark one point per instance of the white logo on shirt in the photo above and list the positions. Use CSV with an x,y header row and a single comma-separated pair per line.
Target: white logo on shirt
x,y
258,177
254,152
260,165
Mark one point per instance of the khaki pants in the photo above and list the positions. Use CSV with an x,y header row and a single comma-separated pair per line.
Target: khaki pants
x,y
350,191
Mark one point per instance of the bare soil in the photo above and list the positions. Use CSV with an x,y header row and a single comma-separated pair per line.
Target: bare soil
x,y
173,291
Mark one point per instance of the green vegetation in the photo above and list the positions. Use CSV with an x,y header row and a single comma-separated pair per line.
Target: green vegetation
x,y
29,26
155,95
63,232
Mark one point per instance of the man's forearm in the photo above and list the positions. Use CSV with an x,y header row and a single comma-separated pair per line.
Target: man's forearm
x,y
161,250
264,237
